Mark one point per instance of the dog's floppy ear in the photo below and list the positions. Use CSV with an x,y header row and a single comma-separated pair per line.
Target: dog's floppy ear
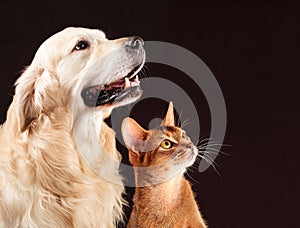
x,y
31,90
27,108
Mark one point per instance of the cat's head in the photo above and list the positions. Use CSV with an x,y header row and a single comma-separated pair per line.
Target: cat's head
x,y
167,149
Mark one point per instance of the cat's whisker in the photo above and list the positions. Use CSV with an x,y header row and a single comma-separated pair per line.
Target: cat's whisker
x,y
211,152
191,178
203,139
216,151
217,144
179,118
191,168
185,123
209,143
210,158
207,146
202,146
212,163
198,160
219,153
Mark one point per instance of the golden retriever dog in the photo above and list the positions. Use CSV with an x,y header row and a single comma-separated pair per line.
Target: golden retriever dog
x,y
58,160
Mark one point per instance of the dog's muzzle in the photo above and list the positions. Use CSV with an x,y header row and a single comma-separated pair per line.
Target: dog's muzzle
x,y
126,88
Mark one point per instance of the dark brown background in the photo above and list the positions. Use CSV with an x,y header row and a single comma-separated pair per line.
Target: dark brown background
x,y
251,48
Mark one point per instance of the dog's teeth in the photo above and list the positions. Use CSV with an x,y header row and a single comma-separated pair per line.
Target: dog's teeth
x,y
127,83
136,79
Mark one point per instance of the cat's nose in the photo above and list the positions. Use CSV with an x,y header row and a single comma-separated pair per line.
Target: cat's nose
x,y
190,146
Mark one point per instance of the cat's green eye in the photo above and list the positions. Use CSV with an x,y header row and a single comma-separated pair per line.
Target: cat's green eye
x,y
166,144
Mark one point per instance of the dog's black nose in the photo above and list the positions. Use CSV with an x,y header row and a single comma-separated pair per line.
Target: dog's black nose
x,y
134,42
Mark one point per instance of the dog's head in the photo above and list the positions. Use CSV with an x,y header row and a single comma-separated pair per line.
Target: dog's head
x,y
81,70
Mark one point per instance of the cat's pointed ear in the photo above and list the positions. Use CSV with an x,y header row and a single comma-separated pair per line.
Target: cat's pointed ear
x,y
132,132
169,117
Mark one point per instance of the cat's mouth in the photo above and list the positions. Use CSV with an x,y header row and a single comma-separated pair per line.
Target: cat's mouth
x,y
187,158
191,157
123,90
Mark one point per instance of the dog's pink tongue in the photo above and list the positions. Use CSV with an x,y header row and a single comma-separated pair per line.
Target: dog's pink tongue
x,y
117,84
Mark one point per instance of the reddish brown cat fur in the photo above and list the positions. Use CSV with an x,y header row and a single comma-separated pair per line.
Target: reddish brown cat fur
x,y
163,197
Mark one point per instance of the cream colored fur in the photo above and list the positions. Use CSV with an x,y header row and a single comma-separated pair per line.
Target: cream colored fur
x,y
58,162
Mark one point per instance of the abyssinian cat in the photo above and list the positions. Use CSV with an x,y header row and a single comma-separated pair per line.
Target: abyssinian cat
x,y
163,197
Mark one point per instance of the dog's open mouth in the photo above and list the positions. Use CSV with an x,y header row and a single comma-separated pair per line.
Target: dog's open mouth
x,y
127,87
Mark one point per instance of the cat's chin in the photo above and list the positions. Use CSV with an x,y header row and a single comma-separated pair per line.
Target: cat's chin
x,y
191,158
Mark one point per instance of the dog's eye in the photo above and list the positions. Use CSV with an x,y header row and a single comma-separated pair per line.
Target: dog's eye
x,y
81,45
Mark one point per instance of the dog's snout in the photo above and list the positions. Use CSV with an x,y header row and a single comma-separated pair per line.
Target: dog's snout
x,y
134,42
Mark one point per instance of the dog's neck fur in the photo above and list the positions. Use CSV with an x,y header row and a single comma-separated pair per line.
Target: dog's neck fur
x,y
86,136
63,190
91,148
